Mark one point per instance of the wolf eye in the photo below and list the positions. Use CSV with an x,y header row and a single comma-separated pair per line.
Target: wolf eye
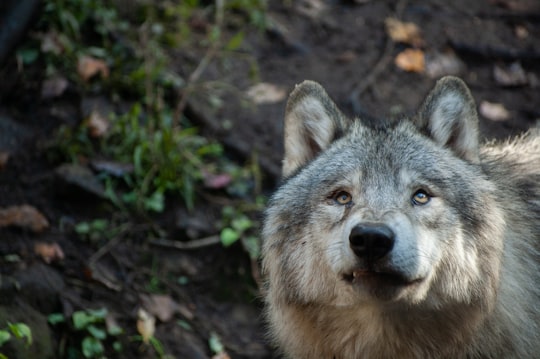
x,y
420,197
343,197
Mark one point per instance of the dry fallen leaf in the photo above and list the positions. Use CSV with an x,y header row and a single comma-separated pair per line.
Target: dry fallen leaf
x,y
49,252
146,325
222,355
266,93
511,75
494,111
217,181
97,124
411,60
50,43
88,67
439,64
346,56
112,325
54,87
405,32
160,305
521,32
4,158
24,216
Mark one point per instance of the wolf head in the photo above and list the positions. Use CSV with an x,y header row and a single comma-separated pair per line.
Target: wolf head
x,y
388,213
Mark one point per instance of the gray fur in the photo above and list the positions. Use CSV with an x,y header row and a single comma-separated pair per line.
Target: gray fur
x,y
466,261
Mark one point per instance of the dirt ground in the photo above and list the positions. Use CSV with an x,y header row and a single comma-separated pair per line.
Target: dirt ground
x,y
494,45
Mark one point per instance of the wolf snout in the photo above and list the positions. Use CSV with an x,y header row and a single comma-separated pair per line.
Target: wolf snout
x,y
371,241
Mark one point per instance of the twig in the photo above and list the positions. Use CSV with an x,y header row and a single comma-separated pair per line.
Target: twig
x,y
380,65
203,64
108,246
194,244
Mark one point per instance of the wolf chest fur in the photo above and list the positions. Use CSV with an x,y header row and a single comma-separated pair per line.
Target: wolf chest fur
x,y
403,239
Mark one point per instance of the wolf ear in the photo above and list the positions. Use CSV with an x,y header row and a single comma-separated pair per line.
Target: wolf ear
x,y
312,123
448,116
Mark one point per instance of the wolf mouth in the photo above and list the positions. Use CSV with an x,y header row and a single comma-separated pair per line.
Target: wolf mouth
x,y
374,278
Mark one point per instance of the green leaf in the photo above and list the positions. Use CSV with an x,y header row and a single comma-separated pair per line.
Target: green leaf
x,y
92,347
98,313
82,228
28,56
158,347
81,320
114,330
156,202
100,224
96,332
235,42
182,280
4,337
117,346
215,344
55,318
252,245
184,325
21,330
228,236
241,224
130,197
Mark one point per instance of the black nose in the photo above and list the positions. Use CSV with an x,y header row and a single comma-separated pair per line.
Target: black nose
x,y
371,241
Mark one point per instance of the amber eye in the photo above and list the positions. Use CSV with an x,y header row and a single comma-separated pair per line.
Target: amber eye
x,y
343,197
420,197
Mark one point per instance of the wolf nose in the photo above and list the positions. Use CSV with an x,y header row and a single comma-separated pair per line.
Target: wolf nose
x,y
371,241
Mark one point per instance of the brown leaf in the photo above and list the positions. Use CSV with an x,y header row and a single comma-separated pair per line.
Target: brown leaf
x,y
405,32
217,181
222,355
97,124
4,158
346,56
50,43
160,305
88,67
512,75
53,87
146,325
439,64
266,93
521,32
49,252
411,60
24,216
493,111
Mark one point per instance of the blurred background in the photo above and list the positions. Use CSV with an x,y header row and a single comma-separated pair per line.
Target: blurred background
x,y
140,140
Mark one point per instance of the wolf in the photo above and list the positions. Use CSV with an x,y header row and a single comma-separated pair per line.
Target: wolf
x,y
405,238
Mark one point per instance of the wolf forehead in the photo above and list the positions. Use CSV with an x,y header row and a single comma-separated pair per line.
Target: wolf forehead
x,y
392,156
382,163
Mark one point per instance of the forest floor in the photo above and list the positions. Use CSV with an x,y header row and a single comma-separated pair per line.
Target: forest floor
x,y
66,249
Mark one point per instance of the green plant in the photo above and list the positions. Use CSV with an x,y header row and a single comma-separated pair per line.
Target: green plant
x,y
238,226
93,230
155,344
168,155
95,336
19,330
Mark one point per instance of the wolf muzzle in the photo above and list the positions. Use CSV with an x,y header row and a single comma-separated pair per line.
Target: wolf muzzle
x,y
371,241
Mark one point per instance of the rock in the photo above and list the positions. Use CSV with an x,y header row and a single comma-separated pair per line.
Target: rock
x,y
42,340
39,286
80,177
